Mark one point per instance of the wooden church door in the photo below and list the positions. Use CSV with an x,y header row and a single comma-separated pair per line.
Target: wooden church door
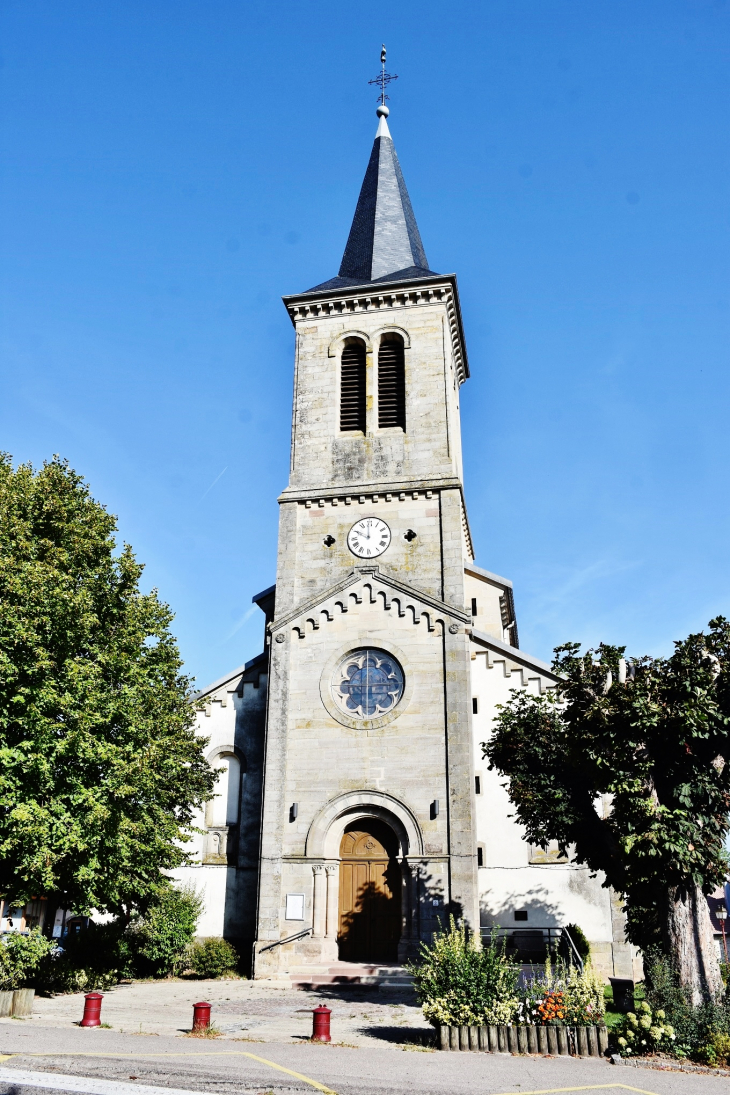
x,y
370,893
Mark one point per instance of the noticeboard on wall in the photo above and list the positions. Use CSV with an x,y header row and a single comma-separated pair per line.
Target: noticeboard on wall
x,y
295,906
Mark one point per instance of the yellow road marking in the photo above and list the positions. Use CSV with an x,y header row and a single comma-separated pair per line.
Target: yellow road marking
x,y
313,1083
199,1053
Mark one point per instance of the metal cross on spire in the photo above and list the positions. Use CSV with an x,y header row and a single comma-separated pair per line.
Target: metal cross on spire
x,y
383,78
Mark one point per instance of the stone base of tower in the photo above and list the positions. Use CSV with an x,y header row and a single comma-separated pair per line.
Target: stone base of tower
x,y
269,962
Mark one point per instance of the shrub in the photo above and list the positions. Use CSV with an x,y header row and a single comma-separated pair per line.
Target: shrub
x,y
580,943
694,1027
458,981
212,957
97,957
162,937
644,1031
21,957
59,973
101,955
585,1002
716,1051
661,983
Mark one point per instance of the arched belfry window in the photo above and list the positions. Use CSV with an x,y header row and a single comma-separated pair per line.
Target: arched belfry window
x,y
391,383
352,386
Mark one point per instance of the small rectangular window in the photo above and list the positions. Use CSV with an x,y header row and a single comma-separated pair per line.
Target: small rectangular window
x,y
480,856
520,914
474,606
474,705
477,785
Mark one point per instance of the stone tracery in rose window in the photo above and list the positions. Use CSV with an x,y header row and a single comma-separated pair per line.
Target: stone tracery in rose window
x,y
367,683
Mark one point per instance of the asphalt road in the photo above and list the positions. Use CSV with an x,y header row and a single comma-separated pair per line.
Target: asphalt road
x,y
100,1062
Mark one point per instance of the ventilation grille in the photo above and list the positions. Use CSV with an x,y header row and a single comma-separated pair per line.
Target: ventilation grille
x,y
352,388
391,385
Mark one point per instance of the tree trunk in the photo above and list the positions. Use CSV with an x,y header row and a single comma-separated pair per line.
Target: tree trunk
x,y
690,941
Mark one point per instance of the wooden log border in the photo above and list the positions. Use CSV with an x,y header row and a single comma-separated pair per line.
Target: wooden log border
x,y
526,1039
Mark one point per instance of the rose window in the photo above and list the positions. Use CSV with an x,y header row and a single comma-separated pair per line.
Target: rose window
x,y
367,684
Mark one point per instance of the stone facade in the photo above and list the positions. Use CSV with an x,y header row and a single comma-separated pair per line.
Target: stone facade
x,y
306,767
409,604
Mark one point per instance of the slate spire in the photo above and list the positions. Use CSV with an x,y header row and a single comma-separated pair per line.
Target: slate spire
x,y
384,242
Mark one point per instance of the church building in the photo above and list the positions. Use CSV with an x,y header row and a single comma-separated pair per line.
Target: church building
x,y
354,811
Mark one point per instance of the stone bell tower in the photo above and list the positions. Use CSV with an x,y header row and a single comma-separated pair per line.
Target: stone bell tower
x,y
367,823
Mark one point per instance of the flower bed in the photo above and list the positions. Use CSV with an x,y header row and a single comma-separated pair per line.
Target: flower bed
x,y
462,983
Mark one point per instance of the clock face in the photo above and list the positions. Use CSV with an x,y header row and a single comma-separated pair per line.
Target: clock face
x,y
368,538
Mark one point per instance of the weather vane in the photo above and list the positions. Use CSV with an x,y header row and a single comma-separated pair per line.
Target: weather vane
x,y
383,79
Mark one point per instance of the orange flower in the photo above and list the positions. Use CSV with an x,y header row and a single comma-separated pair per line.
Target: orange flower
x,y
551,1007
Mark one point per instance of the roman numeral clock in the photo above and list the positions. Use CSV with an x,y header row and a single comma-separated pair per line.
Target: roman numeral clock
x,y
368,538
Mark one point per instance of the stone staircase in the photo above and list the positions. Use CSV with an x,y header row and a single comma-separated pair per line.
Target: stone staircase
x,y
345,974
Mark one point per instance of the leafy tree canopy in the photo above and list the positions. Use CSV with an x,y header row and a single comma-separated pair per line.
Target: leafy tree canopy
x,y
628,764
100,769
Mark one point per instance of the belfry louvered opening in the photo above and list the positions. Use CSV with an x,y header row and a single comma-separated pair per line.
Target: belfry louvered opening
x,y
391,383
352,387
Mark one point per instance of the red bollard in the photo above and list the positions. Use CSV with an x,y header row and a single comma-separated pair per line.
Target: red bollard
x,y
92,1009
321,1024
201,1016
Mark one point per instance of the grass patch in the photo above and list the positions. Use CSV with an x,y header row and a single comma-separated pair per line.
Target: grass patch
x,y
613,1015
206,1032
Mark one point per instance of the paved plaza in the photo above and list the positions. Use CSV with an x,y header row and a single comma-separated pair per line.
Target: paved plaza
x,y
247,1009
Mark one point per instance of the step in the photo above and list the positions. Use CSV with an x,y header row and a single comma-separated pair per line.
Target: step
x,y
356,969
351,973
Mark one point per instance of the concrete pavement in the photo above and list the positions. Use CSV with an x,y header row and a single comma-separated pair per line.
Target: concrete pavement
x,y
250,1009
233,1068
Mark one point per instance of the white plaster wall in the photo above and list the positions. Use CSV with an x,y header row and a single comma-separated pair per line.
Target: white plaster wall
x,y
554,894
233,723
213,883
217,722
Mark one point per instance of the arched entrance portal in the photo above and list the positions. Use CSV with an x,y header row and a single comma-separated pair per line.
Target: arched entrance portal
x,y
370,893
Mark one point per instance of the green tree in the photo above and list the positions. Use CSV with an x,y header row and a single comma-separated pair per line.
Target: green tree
x,y
629,765
100,767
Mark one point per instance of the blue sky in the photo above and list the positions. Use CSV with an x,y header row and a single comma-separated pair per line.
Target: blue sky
x,y
170,169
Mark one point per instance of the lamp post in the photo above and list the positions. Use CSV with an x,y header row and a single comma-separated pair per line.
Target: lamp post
x,y
721,914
